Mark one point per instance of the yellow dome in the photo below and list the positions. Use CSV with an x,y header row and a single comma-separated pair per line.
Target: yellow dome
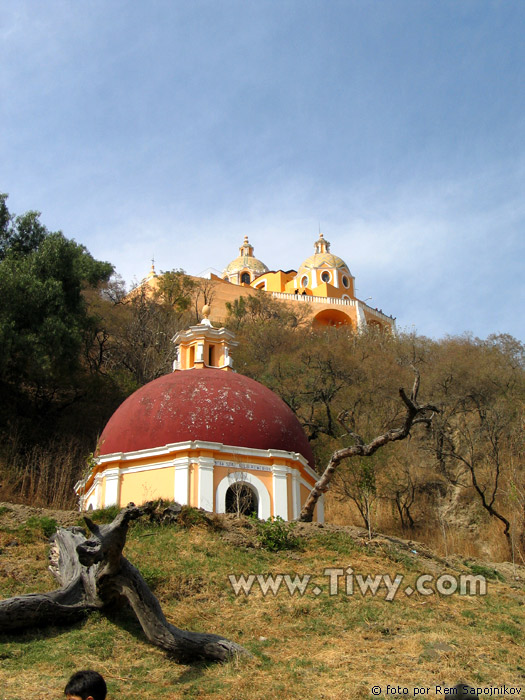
x,y
323,258
245,261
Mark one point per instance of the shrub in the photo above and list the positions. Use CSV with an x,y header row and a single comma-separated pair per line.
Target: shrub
x,y
275,534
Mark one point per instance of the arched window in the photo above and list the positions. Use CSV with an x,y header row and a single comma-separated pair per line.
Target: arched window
x,y
241,499
304,281
325,276
245,278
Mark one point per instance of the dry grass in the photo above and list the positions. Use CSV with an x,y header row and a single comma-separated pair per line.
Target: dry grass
x,y
485,541
45,476
317,647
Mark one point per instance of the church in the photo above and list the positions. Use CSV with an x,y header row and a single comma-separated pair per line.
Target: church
x,y
323,282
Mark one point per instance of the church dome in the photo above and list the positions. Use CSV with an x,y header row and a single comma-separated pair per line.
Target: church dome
x,y
323,258
208,405
245,263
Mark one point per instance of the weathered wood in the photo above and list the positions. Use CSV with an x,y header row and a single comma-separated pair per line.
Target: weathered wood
x,y
94,574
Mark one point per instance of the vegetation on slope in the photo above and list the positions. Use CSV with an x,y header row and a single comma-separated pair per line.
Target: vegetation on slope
x,y
318,646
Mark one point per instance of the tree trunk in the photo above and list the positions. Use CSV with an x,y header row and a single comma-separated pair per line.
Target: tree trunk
x,y
93,575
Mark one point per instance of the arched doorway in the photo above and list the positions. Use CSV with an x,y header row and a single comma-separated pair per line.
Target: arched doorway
x,y
241,499
262,497
332,317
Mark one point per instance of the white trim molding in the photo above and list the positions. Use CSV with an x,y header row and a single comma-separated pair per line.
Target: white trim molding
x,y
181,486
205,475
280,491
112,477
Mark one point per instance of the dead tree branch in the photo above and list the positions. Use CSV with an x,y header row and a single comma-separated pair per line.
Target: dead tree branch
x,y
415,414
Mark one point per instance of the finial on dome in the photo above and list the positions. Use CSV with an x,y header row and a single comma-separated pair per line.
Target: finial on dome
x,y
152,272
246,249
206,309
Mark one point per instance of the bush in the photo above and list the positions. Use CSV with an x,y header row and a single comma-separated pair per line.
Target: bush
x,y
275,534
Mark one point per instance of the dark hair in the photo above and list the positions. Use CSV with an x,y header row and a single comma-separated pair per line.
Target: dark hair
x,y
86,683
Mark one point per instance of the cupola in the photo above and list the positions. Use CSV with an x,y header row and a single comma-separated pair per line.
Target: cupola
x,y
203,346
245,268
324,268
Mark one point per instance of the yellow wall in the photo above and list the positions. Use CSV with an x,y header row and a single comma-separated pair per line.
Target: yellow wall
x,y
275,281
223,291
159,482
219,473
138,487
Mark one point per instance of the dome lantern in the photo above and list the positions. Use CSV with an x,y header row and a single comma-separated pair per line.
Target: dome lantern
x,y
321,246
203,346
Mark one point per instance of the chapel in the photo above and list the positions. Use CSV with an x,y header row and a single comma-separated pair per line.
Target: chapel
x,y
205,436
323,281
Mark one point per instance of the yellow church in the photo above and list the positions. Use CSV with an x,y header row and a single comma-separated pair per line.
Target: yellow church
x,y
208,437
323,282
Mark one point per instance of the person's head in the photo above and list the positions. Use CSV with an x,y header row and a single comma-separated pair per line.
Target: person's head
x,y
86,685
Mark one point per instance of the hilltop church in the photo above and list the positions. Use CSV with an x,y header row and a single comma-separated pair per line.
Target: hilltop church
x,y
323,281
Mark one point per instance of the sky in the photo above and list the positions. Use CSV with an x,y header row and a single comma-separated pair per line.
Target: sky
x,y
171,129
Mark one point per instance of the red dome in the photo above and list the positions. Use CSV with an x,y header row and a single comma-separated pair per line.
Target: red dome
x,y
204,404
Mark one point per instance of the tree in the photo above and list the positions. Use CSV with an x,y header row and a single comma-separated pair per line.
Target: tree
x,y
94,575
359,485
19,235
481,393
46,329
414,414
135,335
43,316
175,290
203,296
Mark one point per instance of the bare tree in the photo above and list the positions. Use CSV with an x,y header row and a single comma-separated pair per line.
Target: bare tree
x,y
415,413
204,294
472,447
94,575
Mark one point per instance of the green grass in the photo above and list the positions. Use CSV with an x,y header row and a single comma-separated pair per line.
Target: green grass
x,y
488,572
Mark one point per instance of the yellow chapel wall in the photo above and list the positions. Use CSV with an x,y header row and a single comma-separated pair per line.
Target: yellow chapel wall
x,y
139,487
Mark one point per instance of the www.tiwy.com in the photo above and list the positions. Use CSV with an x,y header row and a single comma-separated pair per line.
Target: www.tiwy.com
x,y
344,581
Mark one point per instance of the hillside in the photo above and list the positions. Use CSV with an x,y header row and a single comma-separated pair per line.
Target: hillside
x,y
313,645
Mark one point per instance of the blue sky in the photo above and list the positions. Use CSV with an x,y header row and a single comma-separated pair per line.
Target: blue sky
x,y
174,128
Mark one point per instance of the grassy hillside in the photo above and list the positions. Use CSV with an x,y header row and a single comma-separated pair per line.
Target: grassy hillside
x,y
314,646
